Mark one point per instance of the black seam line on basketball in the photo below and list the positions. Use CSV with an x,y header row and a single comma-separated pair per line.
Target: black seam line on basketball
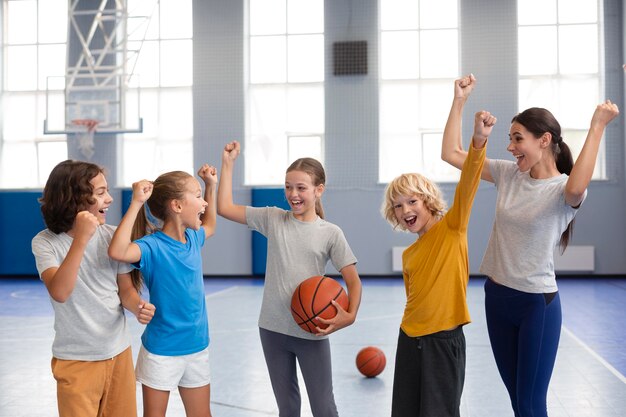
x,y
302,304
315,295
294,312
330,304
369,360
310,320
299,323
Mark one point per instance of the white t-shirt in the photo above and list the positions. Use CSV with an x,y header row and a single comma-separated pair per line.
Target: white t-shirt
x,y
90,325
531,214
296,250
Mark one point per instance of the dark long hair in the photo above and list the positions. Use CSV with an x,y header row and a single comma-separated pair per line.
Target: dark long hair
x,y
68,191
539,121
316,171
167,187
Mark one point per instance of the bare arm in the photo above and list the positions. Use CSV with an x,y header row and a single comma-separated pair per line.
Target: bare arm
x,y
225,205
452,150
131,301
121,247
582,171
208,174
60,282
345,318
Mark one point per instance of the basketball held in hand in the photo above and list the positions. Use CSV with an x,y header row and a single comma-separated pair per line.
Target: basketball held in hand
x,y
312,299
370,361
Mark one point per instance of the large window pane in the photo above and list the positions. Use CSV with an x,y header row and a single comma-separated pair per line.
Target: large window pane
x,y
435,64
578,99
393,163
434,100
19,117
49,154
268,17
415,84
578,11
267,159
14,172
538,92
21,68
51,62
135,168
570,87
437,167
400,55
305,16
268,59
176,63
22,24
304,113
52,21
146,64
306,58
176,121
399,14
399,108
536,12
267,109
438,14
304,147
534,60
578,49
143,20
575,140
176,22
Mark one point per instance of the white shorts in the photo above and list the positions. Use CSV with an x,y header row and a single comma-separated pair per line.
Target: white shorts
x,y
166,373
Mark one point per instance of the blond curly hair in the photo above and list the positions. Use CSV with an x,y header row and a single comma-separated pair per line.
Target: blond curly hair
x,y
409,185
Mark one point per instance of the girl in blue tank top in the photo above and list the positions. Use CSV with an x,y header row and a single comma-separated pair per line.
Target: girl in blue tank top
x,y
174,352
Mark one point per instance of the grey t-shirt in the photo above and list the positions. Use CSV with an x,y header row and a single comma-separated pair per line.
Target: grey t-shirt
x,y
531,215
90,325
296,250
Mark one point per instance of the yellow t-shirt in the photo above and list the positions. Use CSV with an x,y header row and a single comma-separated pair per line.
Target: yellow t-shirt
x,y
436,267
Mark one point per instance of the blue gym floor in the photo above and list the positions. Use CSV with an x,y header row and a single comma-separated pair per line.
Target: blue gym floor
x,y
589,378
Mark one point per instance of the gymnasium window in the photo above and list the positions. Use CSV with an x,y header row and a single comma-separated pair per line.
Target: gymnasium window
x,y
34,48
163,68
285,94
415,80
34,43
560,65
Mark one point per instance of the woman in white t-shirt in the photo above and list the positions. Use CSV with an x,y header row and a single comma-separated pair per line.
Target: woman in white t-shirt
x,y
537,199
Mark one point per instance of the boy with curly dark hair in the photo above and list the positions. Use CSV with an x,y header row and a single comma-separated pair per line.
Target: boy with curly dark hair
x,y
92,359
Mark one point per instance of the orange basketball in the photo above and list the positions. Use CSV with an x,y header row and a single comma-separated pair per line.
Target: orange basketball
x,y
370,361
312,298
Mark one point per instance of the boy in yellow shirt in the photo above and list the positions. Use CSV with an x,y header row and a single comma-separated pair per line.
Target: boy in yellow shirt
x,y
430,357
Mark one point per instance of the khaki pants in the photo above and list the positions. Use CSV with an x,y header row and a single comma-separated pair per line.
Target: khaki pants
x,y
103,388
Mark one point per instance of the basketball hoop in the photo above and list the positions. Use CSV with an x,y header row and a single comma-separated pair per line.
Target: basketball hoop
x,y
85,138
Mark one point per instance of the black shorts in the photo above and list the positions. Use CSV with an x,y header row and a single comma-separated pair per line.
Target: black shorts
x,y
429,375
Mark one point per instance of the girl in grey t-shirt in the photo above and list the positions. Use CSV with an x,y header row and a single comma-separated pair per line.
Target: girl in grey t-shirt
x,y
300,244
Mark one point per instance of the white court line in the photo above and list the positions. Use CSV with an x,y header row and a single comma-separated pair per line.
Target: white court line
x,y
595,355
225,290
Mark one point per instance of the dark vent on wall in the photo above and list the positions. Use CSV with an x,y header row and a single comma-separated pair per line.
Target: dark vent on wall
x,y
350,58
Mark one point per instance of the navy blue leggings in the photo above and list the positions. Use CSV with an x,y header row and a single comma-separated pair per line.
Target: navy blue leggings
x,y
524,331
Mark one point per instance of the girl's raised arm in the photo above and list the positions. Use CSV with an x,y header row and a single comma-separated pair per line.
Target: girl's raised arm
x,y
208,174
225,205
121,248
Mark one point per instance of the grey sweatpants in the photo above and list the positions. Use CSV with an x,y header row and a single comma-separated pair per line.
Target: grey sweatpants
x,y
313,356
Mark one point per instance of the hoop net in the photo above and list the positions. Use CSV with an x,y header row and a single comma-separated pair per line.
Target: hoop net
x,y
85,136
